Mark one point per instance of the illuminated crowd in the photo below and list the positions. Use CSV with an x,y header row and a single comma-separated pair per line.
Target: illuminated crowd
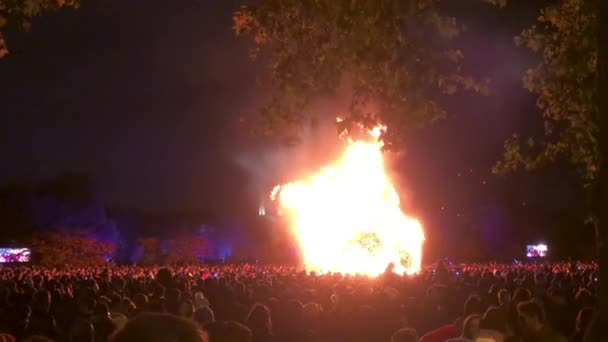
x,y
464,302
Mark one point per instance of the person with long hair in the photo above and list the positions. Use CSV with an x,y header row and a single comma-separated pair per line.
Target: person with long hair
x,y
535,327
470,329
260,323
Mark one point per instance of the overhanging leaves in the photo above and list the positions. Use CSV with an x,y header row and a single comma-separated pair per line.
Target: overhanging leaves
x,y
565,81
389,53
17,14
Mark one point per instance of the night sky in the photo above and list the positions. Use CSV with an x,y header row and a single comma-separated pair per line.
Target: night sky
x,y
151,101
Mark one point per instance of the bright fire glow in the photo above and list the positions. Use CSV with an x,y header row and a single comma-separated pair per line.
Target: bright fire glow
x,y
346,218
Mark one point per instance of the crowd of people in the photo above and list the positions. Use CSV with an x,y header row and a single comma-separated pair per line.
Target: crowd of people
x,y
446,302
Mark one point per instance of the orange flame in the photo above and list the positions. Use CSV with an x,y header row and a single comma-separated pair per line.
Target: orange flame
x,y
347,218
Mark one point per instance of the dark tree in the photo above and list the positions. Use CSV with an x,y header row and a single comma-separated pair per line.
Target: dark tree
x,y
571,82
389,54
70,188
601,204
15,224
61,248
188,248
18,14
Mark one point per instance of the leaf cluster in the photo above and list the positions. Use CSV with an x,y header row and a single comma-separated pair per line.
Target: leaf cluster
x,y
19,14
391,54
57,249
565,81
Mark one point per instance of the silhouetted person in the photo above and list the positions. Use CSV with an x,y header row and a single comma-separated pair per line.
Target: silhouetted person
x,y
204,315
596,331
260,323
472,306
165,278
470,329
405,335
41,321
173,300
493,325
532,318
151,327
583,319
82,331
228,331
141,303
103,324
186,309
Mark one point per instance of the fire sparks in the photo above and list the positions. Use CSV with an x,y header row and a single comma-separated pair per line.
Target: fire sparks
x,y
346,218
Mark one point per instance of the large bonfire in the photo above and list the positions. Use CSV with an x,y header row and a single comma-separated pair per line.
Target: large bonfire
x,y
347,217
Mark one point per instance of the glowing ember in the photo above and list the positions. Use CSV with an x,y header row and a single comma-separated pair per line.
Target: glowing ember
x,y
346,218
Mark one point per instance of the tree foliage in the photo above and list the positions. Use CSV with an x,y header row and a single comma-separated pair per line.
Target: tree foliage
x,y
151,250
19,14
571,82
391,54
565,80
58,249
187,249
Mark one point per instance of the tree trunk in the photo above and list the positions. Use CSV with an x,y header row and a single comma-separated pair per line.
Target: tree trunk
x,y
601,207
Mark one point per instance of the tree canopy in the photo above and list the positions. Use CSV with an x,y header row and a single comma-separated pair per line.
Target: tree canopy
x,y
571,83
18,14
58,249
391,54
565,80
